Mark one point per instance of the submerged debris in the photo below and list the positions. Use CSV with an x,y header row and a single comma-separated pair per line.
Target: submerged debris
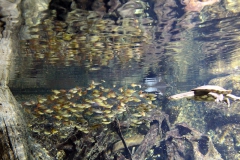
x,y
183,142
159,125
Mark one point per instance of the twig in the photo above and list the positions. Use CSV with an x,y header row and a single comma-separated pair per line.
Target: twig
x,y
118,130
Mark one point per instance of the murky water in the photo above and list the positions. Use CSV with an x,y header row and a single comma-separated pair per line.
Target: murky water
x,y
79,66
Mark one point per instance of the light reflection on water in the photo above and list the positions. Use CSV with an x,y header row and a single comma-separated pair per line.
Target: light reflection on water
x,y
189,51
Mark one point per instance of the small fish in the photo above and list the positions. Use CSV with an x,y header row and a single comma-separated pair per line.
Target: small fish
x,y
98,100
134,120
139,122
54,131
36,130
149,102
107,111
94,68
66,115
42,100
121,89
130,91
137,115
47,132
79,93
122,104
89,101
96,83
53,97
40,113
69,96
78,115
103,98
56,91
91,87
81,106
106,122
58,117
98,117
73,90
85,131
96,94
97,111
66,106
63,136
89,113
58,123
111,94
72,110
29,103
108,106
120,97
105,89
135,99
48,111
56,107
111,115
135,85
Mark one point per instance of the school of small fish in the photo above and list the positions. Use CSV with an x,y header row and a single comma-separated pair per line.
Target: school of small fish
x,y
87,108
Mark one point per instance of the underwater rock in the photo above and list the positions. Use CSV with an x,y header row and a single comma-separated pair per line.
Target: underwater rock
x,y
230,81
227,140
185,142
222,114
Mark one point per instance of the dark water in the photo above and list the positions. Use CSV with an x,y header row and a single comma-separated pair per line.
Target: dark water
x,y
69,53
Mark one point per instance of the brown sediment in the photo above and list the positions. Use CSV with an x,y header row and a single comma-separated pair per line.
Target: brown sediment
x,y
131,141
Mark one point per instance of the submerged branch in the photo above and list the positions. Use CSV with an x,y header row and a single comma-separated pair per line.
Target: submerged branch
x,y
116,126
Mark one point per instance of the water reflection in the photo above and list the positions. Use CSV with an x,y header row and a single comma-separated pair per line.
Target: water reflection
x,y
66,48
